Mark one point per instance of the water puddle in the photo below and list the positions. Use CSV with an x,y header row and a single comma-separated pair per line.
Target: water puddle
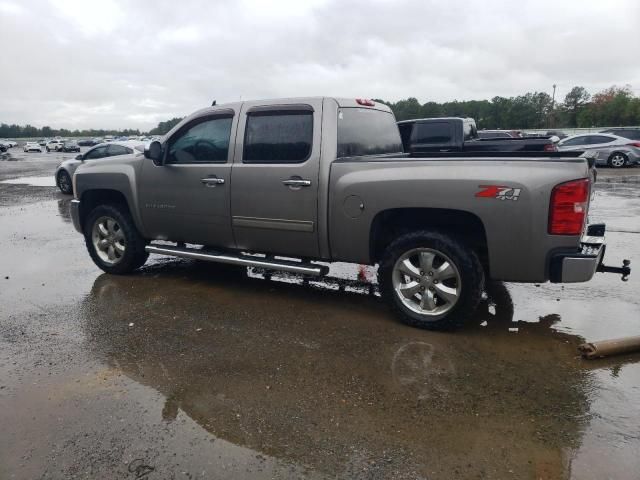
x,y
48,181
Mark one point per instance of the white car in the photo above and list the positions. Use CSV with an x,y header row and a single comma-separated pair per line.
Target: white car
x,y
53,145
9,143
32,147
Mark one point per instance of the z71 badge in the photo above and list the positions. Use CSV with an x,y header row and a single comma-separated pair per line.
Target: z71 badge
x,y
499,192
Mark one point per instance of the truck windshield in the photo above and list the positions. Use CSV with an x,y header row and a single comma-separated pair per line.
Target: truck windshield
x,y
365,131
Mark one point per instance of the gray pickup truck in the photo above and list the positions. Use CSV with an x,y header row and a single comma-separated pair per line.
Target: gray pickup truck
x,y
284,184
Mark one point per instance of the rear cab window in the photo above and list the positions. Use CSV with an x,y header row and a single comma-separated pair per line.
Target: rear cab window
x,y
433,133
367,131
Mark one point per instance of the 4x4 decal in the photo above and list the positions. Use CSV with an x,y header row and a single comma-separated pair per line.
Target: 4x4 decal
x,y
499,192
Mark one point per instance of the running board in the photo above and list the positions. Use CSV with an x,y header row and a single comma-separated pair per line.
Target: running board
x,y
302,268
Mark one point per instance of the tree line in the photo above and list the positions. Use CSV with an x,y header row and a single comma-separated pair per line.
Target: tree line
x,y
29,131
612,107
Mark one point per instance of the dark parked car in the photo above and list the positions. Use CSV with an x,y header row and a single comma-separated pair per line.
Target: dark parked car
x,y
87,142
70,146
440,135
632,133
2,148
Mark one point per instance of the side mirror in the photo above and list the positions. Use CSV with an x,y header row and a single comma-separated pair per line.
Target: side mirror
x,y
79,157
154,152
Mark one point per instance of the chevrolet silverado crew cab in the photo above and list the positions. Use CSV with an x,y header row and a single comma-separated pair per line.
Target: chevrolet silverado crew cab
x,y
285,184
453,134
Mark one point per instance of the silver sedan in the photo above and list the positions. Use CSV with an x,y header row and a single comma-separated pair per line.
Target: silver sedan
x,y
64,171
609,149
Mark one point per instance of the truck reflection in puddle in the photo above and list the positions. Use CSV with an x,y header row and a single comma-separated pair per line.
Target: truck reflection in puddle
x,y
329,379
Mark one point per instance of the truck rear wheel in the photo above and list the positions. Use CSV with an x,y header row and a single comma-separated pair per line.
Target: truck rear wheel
x,y
431,279
113,241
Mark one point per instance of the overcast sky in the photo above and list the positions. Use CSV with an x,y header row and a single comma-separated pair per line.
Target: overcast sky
x,y
117,63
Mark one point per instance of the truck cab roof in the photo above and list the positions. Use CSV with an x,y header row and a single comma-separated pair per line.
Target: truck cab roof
x,y
342,102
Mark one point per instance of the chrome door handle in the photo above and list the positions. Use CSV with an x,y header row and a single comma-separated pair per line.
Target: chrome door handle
x,y
212,181
297,182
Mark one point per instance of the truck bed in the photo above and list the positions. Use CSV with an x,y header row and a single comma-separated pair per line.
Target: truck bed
x,y
452,182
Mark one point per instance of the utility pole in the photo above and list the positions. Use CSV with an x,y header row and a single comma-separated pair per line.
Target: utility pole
x,y
553,106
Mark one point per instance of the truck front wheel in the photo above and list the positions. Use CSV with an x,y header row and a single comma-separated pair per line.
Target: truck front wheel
x,y
113,241
431,279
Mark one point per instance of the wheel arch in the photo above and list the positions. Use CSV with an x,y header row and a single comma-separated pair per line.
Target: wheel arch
x,y
618,152
389,224
90,199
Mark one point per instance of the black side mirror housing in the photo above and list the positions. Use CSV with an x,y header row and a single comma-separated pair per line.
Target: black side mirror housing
x,y
79,157
154,152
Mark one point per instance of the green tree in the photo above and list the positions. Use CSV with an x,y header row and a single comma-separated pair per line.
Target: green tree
x,y
574,101
164,127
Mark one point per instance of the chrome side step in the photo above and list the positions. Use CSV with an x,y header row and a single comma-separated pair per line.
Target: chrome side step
x,y
303,268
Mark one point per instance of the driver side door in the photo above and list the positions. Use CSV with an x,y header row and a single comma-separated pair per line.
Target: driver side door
x,y
187,198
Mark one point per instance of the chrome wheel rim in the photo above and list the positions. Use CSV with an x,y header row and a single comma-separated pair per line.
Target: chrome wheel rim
x,y
617,160
426,281
108,240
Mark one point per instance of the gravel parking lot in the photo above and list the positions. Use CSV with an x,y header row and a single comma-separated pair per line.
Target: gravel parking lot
x,y
186,370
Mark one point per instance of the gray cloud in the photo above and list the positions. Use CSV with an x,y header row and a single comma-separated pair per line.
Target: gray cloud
x,y
116,63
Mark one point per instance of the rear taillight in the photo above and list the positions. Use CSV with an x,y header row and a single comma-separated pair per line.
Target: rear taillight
x,y
550,147
568,207
634,144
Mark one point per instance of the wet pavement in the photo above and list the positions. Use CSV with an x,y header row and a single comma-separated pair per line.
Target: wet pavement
x,y
191,370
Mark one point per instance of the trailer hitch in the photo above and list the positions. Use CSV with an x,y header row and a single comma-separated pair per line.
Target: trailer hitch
x,y
624,270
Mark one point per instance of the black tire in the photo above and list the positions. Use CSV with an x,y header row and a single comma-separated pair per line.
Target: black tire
x,y
465,260
134,255
611,161
63,180
48,149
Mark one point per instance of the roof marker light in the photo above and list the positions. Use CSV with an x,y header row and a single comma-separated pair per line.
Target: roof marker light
x,y
365,102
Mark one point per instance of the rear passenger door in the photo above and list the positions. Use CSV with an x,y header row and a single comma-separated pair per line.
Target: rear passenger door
x,y
274,195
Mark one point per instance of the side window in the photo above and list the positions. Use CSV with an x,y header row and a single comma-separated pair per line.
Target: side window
x,y
573,142
433,132
597,139
278,137
203,142
98,152
115,150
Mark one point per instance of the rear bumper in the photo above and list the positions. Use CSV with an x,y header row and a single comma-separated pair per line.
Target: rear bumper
x,y
75,214
581,265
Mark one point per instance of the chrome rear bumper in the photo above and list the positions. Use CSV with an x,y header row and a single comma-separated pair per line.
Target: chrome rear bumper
x,y
580,266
